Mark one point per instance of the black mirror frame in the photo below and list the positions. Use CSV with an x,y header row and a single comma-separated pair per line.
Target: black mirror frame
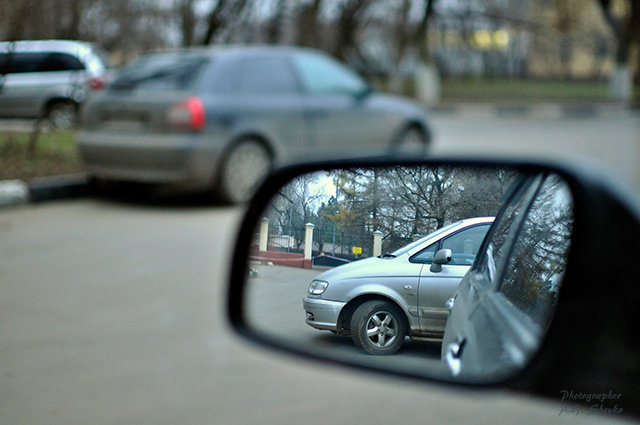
x,y
590,346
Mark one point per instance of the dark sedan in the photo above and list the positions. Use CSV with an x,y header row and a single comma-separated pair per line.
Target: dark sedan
x,y
220,118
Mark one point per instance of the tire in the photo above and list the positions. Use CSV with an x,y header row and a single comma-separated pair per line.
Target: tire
x,y
412,141
243,169
378,327
63,115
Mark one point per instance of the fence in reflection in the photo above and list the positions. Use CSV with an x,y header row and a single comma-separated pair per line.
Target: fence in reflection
x,y
327,248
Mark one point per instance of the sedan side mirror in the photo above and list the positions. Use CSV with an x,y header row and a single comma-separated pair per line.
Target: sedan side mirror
x,y
443,256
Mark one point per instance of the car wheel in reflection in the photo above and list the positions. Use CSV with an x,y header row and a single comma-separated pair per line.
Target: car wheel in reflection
x,y
62,115
378,327
244,168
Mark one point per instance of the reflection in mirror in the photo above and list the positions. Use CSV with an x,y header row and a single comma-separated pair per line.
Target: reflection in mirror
x,y
365,264
500,314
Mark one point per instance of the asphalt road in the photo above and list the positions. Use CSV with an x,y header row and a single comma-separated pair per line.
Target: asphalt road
x,y
274,303
611,142
112,312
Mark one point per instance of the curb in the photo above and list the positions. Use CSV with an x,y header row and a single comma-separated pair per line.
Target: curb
x,y
16,192
13,192
535,110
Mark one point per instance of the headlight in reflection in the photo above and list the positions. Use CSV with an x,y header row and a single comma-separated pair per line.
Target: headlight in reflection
x,y
317,287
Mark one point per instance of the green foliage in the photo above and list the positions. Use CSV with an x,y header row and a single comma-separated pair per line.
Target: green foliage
x,y
56,154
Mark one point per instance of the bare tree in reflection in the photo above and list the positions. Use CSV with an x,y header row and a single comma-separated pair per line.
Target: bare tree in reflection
x,y
537,265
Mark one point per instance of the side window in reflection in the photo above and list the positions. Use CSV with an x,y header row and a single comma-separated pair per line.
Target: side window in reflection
x,y
265,76
464,245
532,278
426,255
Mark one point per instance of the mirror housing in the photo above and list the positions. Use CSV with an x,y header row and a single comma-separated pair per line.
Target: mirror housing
x,y
590,346
443,256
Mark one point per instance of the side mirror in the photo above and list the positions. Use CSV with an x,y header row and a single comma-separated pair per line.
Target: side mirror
x,y
443,256
559,346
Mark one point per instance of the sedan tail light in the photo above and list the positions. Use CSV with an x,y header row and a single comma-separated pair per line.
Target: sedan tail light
x,y
188,114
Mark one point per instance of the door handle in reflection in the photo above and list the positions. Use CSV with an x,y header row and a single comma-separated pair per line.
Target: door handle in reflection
x,y
450,302
452,356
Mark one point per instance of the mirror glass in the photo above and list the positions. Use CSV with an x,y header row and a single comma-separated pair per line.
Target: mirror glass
x,y
441,271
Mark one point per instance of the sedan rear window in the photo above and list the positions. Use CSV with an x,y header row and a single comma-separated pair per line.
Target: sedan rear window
x,y
322,75
161,71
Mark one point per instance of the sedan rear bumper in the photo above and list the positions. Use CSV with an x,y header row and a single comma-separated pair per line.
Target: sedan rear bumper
x,y
188,159
322,314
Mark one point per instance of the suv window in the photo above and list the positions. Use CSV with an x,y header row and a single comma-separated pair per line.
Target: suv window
x,y
464,245
60,62
321,75
420,241
23,62
537,263
426,255
265,75
19,63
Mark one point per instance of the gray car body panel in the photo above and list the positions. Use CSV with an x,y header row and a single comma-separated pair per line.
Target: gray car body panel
x,y
420,293
325,312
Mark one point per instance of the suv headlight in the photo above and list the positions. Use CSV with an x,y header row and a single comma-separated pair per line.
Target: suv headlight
x,y
317,287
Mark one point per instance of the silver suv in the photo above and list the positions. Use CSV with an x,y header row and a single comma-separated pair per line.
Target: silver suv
x,y
380,300
48,78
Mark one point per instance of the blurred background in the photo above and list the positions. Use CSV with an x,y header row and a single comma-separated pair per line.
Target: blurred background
x,y
481,50
508,56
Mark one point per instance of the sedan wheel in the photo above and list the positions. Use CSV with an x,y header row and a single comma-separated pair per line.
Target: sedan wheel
x,y
378,327
244,168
